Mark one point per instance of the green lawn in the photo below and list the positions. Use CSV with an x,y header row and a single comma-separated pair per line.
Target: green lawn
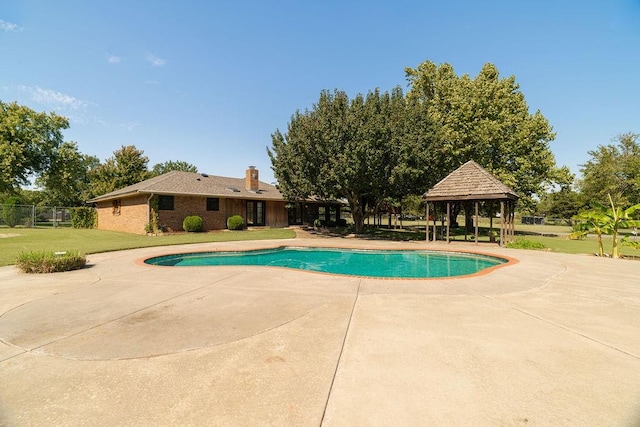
x,y
14,241
554,237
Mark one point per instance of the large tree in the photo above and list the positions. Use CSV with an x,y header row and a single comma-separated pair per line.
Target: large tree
x,y
381,147
613,169
66,181
28,143
341,148
485,119
127,166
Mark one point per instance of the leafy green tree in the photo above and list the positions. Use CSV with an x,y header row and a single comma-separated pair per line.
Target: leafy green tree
x,y
179,165
614,170
413,204
66,181
28,143
341,148
565,203
127,166
485,119
12,213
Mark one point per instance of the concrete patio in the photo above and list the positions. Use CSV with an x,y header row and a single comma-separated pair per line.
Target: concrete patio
x,y
551,340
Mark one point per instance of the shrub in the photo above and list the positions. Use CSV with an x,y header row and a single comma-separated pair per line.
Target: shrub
x,y
50,262
526,244
342,222
83,217
193,223
235,222
11,212
317,223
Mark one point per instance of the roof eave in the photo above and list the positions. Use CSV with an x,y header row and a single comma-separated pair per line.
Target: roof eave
x,y
470,197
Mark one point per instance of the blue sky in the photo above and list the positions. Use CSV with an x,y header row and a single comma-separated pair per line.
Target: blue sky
x,y
208,82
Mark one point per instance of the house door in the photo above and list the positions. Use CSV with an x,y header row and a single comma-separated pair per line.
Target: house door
x,y
255,212
294,213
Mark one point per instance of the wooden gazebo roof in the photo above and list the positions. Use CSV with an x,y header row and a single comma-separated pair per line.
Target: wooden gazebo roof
x,y
469,182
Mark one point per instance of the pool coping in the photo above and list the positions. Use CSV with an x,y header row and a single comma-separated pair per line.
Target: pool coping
x,y
510,261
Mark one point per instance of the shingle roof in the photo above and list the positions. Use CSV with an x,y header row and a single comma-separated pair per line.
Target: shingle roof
x,y
469,182
195,184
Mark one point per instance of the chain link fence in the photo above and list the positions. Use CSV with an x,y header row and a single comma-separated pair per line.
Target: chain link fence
x,y
34,216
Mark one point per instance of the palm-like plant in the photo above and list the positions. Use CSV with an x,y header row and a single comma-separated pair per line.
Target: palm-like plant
x,y
606,221
620,218
591,221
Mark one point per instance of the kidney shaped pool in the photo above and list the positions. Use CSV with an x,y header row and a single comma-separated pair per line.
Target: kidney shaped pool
x,y
353,262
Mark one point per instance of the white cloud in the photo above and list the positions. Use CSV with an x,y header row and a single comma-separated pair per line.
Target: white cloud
x,y
155,61
129,125
53,99
113,59
8,26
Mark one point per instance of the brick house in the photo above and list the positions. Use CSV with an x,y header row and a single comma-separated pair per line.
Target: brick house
x,y
176,195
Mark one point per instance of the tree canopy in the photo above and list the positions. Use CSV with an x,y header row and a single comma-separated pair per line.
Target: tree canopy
x,y
127,166
171,165
613,169
28,144
66,182
386,145
485,119
341,148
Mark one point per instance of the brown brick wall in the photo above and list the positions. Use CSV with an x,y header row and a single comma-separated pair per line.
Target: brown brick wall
x,y
276,215
184,206
132,218
133,215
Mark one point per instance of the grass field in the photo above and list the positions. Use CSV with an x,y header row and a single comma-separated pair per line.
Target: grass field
x,y
14,241
554,237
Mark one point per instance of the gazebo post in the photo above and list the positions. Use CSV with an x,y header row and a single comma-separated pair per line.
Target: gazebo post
x,y
513,220
448,219
427,226
502,224
476,221
435,221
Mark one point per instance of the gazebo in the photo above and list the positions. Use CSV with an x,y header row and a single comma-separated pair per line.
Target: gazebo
x,y
470,185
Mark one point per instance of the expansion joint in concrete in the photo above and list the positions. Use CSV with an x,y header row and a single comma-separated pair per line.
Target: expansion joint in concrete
x,y
344,341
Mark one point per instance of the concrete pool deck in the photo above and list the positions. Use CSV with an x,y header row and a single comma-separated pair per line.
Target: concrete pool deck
x,y
551,340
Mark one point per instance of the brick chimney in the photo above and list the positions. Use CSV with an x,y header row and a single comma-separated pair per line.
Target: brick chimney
x,y
251,180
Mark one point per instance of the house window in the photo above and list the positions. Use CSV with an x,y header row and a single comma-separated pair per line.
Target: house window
x,y
116,206
213,204
165,203
255,212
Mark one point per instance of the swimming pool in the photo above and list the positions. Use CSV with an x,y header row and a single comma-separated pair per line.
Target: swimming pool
x,y
352,262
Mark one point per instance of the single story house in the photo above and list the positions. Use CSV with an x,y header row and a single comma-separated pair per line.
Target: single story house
x,y
175,195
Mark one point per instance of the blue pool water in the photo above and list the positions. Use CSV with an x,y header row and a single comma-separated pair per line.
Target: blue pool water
x,y
353,262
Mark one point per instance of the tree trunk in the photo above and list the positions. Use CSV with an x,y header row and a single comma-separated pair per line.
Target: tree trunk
x,y
453,215
600,248
357,214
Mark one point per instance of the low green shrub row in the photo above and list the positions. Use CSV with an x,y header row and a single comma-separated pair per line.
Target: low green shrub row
x,y
526,244
50,261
